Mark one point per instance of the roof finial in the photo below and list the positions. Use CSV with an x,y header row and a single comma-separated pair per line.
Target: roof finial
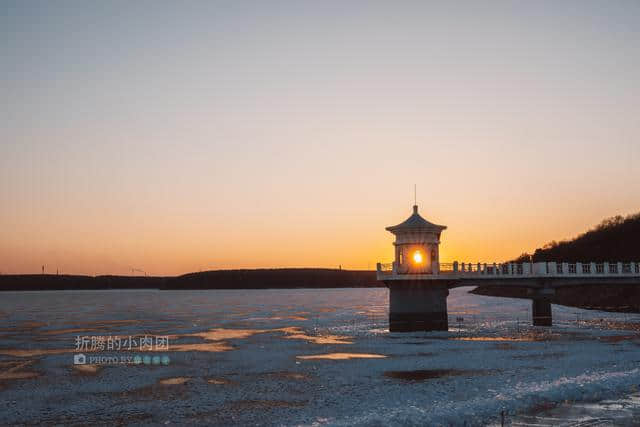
x,y
415,199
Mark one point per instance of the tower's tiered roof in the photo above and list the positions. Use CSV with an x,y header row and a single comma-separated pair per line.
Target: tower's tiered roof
x,y
415,223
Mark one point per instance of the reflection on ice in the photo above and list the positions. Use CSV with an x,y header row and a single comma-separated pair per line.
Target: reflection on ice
x,y
174,381
219,381
16,370
342,356
86,369
215,338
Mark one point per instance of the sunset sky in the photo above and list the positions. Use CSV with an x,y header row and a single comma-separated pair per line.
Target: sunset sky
x,y
182,136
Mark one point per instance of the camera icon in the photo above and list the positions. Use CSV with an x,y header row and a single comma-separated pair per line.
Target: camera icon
x,y
79,359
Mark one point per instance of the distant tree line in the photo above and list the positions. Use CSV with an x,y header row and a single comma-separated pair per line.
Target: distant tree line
x,y
219,279
49,282
274,278
614,239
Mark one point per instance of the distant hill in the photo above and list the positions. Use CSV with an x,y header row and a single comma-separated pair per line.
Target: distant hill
x,y
55,282
219,279
274,278
614,239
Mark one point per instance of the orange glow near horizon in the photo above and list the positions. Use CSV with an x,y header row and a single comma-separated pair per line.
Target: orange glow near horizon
x,y
183,246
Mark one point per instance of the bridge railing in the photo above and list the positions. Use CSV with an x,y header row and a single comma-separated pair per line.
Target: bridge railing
x,y
490,269
542,269
446,267
478,268
385,268
537,269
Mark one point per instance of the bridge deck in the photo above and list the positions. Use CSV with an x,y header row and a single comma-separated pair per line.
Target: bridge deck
x,y
542,274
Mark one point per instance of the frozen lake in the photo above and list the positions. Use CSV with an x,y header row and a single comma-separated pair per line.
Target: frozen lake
x,y
308,357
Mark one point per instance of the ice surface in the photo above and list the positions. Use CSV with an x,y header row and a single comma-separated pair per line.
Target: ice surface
x,y
250,364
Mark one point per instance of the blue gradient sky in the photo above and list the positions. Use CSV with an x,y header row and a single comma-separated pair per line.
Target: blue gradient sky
x,y
178,136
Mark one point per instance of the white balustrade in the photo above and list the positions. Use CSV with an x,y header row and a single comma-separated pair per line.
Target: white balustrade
x,y
527,269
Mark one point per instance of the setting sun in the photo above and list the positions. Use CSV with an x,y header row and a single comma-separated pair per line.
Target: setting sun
x,y
417,257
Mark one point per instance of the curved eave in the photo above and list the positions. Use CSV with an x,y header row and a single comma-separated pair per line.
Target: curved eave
x,y
432,228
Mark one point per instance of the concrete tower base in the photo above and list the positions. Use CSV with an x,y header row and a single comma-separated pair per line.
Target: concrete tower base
x,y
418,306
541,312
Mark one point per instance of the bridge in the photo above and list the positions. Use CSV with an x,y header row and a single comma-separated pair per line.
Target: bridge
x,y
541,278
539,274
419,284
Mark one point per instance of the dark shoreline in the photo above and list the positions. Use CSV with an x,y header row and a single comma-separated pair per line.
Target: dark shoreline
x,y
287,278
604,297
